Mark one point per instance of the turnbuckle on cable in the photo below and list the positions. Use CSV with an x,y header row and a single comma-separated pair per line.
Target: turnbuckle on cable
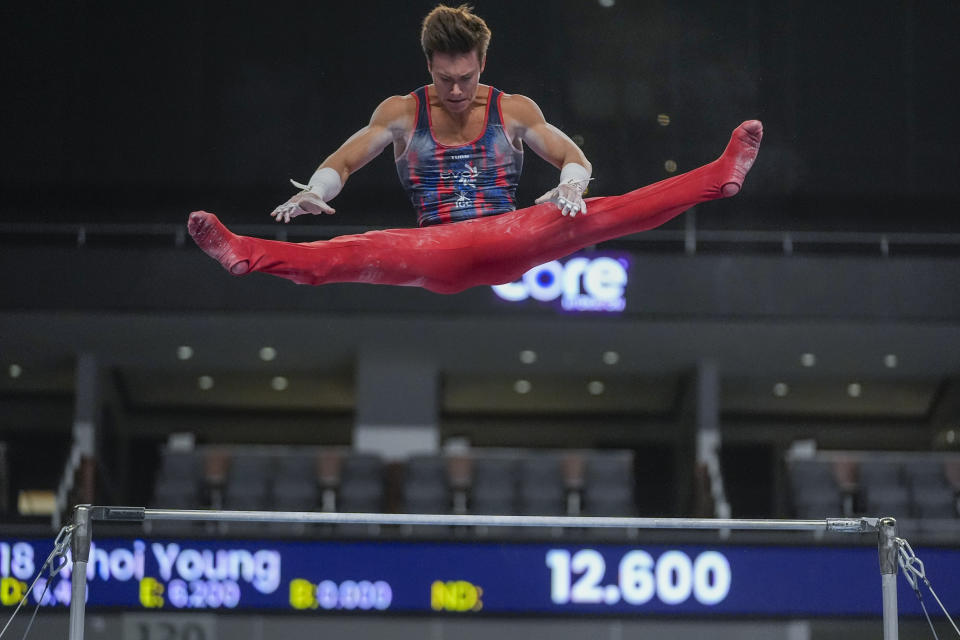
x,y
59,552
915,572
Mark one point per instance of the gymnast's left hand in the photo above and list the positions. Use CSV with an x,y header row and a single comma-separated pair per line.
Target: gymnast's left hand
x,y
305,202
568,196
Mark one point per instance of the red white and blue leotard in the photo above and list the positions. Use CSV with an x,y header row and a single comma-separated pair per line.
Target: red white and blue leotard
x,y
453,183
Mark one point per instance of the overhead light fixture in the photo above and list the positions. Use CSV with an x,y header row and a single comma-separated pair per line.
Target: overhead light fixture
x,y
184,352
279,383
268,353
670,166
808,359
528,357
890,361
854,389
15,370
611,357
596,388
663,119
205,383
606,4
781,389
522,386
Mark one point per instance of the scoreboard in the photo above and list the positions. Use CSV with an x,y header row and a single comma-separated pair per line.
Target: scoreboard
x,y
322,577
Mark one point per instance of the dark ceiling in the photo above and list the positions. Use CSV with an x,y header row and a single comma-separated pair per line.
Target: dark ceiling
x,y
141,113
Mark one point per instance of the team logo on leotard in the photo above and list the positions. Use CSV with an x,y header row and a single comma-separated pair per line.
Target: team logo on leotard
x,y
462,201
465,182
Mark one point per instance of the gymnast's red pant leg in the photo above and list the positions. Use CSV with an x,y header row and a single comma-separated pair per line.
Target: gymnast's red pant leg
x,y
453,257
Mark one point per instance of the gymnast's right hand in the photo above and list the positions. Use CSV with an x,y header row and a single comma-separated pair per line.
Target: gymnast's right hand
x,y
298,205
323,187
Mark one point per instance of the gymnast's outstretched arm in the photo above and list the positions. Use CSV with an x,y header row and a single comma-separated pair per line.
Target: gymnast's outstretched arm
x,y
525,121
392,121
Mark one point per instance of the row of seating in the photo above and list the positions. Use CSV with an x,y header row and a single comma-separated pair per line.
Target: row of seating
x,y
249,481
919,487
506,482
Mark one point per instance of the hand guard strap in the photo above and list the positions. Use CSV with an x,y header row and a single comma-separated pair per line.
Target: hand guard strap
x,y
325,183
575,174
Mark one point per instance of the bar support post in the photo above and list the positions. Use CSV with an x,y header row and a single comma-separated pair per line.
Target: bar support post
x,y
80,550
887,547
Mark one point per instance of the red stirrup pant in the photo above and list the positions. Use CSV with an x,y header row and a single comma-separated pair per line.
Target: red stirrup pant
x,y
485,251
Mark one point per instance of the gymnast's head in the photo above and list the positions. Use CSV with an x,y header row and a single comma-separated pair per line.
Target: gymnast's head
x,y
454,41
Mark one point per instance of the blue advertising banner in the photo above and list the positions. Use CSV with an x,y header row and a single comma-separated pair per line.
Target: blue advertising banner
x,y
501,578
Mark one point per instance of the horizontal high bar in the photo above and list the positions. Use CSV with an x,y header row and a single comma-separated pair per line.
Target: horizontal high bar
x,y
140,514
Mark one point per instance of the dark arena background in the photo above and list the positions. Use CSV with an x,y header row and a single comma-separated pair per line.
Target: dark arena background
x,y
790,353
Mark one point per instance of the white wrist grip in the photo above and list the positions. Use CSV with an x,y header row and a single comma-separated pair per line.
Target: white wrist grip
x,y
576,174
324,182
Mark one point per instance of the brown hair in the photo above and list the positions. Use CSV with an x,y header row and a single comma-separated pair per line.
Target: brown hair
x,y
454,30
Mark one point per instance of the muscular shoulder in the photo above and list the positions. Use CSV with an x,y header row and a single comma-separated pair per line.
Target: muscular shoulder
x,y
520,111
397,113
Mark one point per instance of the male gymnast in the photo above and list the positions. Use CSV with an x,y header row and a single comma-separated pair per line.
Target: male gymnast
x,y
458,147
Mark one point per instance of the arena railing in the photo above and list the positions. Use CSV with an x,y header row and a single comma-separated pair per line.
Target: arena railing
x,y
689,240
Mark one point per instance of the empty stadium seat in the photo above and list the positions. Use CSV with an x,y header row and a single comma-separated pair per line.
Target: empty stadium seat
x,y
935,502
608,485
889,500
541,490
875,474
494,486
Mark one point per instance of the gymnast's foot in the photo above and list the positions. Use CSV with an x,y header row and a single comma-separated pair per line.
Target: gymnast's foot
x,y
217,242
739,155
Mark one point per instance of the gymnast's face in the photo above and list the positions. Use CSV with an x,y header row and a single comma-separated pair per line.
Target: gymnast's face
x,y
456,77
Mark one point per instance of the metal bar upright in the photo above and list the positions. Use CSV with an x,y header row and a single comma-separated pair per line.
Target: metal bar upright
x,y
887,547
80,550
